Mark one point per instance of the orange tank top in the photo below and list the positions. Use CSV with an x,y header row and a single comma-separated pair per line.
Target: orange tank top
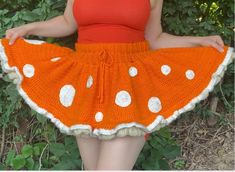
x,y
111,20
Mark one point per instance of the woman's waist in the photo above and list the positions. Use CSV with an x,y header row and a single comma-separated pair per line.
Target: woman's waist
x,y
109,33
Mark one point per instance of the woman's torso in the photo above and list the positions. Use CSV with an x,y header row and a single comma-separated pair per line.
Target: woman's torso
x,y
111,21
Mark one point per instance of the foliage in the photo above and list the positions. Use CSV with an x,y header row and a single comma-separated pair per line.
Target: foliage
x,y
199,18
42,156
49,149
160,149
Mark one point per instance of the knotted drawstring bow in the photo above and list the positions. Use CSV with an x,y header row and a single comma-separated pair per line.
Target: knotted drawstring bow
x,y
103,64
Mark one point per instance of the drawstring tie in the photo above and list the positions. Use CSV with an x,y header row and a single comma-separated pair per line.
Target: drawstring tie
x,y
103,64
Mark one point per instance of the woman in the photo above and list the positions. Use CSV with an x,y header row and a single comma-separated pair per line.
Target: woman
x,y
124,80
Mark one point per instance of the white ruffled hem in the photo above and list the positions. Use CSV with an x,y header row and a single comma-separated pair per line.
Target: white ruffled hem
x,y
133,128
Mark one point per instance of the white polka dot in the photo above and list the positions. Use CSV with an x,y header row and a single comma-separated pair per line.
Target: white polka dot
x,y
165,69
28,70
55,59
123,98
36,42
133,71
89,81
190,74
67,93
154,104
99,116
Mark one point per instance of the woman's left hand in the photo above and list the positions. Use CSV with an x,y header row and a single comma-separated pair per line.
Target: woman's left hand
x,y
214,41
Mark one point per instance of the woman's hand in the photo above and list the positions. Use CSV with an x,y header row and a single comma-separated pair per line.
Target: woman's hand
x,y
166,40
214,41
14,33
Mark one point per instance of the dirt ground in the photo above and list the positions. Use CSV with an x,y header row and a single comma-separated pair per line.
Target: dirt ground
x,y
206,147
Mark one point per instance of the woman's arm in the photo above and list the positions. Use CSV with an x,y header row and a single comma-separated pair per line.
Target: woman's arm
x,y
59,26
159,39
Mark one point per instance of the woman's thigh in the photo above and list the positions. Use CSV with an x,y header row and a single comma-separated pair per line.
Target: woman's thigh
x,y
89,150
120,153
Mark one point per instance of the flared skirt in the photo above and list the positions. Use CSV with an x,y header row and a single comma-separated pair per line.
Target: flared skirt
x,y
109,90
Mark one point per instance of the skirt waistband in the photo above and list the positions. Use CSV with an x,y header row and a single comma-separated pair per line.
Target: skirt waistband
x,y
118,47
108,53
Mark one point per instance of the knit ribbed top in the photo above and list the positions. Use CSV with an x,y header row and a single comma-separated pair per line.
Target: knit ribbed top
x,y
111,21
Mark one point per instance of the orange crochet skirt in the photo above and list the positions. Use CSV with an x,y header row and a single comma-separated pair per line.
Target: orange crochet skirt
x,y
109,90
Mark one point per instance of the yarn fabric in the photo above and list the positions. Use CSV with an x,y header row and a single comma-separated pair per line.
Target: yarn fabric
x,y
109,90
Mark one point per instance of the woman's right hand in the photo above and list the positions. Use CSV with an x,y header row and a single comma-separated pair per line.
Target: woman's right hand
x,y
20,31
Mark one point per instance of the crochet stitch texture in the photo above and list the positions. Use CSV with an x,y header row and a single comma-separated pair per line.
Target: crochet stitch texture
x,y
109,90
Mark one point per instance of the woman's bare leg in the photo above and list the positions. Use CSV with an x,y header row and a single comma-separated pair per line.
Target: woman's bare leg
x,y
89,151
120,153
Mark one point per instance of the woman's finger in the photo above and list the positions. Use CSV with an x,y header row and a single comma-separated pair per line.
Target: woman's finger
x,y
11,31
220,41
13,38
215,45
8,35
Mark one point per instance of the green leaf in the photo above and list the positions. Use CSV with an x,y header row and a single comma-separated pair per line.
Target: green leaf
x,y
10,157
27,150
171,151
36,150
155,144
18,162
30,16
163,164
12,92
41,118
68,141
156,154
165,132
2,167
140,158
36,165
160,140
29,163
41,145
64,165
151,164
57,149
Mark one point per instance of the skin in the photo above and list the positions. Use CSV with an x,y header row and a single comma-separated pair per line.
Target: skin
x,y
122,152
